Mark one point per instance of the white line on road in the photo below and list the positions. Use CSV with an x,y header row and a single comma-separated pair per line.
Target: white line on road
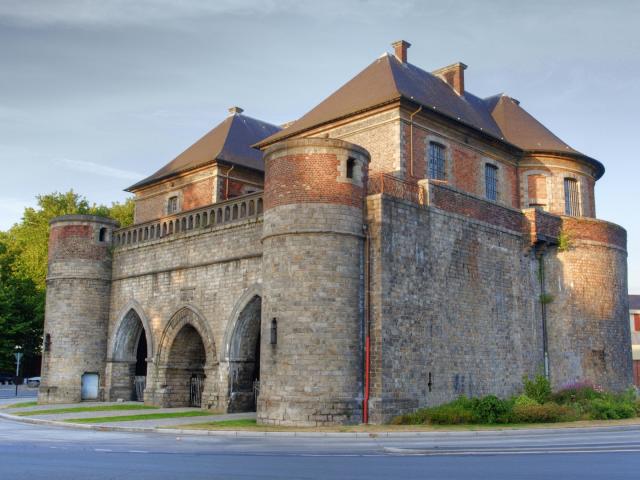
x,y
430,453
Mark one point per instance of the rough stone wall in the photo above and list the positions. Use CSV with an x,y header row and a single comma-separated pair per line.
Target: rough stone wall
x,y
206,271
587,309
454,303
77,306
312,269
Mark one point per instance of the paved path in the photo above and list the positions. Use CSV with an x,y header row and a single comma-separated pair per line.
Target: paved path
x,y
36,452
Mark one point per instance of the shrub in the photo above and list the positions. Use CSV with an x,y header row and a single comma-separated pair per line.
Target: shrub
x,y
539,389
491,409
548,412
611,408
524,401
577,392
450,414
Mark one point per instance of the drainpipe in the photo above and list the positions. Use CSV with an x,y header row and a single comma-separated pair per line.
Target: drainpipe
x,y
411,139
226,189
543,306
367,323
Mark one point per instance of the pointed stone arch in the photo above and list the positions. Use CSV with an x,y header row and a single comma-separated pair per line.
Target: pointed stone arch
x,y
130,349
116,340
186,315
242,351
254,290
186,352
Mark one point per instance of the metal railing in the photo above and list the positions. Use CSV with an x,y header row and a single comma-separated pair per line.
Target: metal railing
x,y
229,211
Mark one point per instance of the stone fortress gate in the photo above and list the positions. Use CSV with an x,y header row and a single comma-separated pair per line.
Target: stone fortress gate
x,y
403,243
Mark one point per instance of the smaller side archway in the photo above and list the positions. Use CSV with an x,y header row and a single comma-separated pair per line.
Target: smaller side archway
x,y
130,351
244,358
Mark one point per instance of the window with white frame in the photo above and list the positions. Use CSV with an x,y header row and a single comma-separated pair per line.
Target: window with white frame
x,y
437,156
491,181
571,197
172,205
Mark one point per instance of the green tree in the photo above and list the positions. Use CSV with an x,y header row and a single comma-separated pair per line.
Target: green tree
x,y
23,267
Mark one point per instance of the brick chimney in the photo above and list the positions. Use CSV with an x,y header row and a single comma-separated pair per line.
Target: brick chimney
x,y
453,75
400,49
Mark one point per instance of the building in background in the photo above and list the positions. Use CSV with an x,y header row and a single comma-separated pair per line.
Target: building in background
x,y
634,315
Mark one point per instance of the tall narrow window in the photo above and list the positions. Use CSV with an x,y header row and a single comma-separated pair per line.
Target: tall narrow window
x,y
571,197
436,161
351,162
491,181
172,206
102,236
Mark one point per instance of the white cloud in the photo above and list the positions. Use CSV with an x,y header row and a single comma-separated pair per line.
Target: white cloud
x,y
97,169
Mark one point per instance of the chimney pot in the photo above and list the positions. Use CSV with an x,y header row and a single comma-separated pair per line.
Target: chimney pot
x,y
235,110
400,49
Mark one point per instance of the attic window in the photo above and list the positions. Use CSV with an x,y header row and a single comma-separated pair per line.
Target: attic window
x,y
351,163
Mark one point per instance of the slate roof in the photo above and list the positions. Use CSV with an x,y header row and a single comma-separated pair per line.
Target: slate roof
x,y
634,302
230,142
387,80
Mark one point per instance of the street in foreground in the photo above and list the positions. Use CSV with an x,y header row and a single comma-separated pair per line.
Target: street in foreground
x,y
42,452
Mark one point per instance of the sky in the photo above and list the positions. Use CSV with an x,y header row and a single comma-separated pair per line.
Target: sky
x,y
97,94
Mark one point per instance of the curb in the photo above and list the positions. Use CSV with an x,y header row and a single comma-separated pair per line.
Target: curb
x,y
255,434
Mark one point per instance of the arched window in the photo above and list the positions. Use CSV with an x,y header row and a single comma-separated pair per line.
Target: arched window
x,y
102,235
491,181
571,197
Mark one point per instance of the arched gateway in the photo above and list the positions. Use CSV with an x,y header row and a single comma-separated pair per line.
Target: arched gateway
x,y
186,364
244,358
130,350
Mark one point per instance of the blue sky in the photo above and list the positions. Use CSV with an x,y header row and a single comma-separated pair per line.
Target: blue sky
x,y
96,94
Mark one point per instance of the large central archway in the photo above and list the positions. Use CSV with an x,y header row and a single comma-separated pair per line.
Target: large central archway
x,y
186,367
128,363
244,359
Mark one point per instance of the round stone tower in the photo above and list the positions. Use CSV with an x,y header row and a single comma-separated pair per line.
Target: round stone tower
x,y
77,309
311,341
587,306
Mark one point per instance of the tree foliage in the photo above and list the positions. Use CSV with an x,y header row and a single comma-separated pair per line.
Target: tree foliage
x,y
23,268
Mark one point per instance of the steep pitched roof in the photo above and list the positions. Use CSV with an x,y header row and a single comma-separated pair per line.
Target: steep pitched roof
x,y
387,79
634,302
230,141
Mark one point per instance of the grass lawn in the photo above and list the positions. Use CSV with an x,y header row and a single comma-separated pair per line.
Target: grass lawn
x,y
251,425
98,408
142,416
20,405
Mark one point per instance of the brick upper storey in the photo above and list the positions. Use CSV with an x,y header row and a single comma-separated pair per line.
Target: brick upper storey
x,y
414,124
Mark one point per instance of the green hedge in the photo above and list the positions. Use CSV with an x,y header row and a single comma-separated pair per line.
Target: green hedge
x,y
538,404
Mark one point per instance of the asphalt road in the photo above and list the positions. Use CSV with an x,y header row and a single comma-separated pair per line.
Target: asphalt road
x,y
38,452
